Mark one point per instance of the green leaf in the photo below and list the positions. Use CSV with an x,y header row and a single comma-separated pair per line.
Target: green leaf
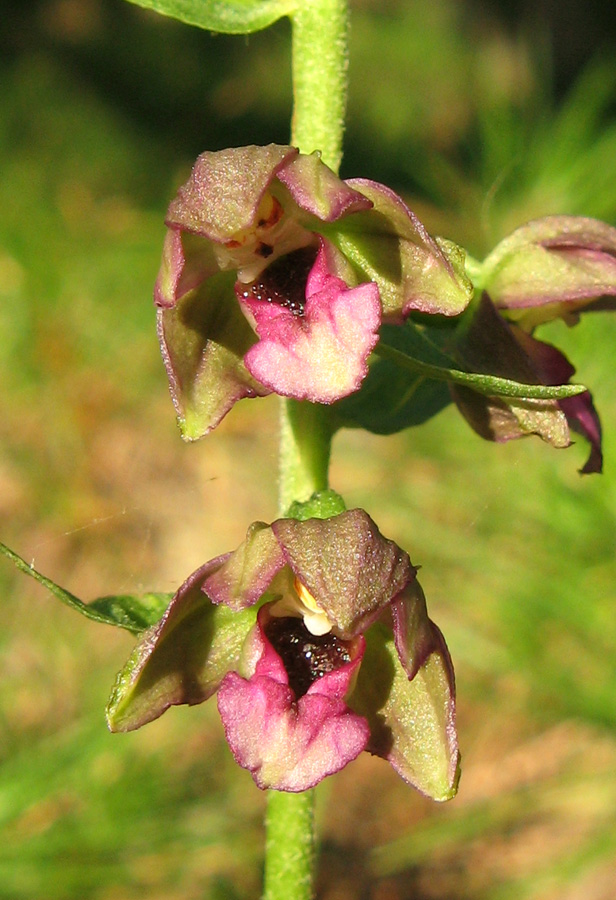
x,y
134,613
226,16
393,397
410,348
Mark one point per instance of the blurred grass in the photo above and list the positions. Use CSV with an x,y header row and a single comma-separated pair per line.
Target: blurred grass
x,y
101,109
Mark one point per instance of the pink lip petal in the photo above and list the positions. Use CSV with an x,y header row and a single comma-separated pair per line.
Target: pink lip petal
x,y
289,744
321,355
288,747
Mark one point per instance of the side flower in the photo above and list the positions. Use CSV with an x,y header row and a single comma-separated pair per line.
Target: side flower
x,y
555,267
315,636
276,276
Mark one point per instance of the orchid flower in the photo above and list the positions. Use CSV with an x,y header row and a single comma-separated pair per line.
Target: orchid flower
x,y
276,276
315,636
555,267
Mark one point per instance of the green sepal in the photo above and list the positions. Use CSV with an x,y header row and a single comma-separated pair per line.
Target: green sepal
x,y
182,660
390,246
225,16
411,722
135,613
322,505
203,341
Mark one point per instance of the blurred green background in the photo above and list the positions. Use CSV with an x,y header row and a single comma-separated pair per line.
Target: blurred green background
x,y
484,115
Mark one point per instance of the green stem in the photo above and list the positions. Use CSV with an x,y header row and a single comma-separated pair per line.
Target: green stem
x,y
320,77
290,846
305,444
319,92
319,53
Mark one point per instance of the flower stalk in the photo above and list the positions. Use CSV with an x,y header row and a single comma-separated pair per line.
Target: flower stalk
x,y
319,60
305,444
289,848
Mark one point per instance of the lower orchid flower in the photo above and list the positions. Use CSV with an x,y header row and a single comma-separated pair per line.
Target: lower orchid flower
x,y
316,638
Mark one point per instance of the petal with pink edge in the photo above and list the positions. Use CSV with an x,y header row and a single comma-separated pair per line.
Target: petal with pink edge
x,y
289,744
317,352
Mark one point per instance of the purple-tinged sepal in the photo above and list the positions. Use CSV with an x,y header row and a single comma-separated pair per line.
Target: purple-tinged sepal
x,y
412,723
390,246
182,659
203,340
488,344
347,564
553,367
552,268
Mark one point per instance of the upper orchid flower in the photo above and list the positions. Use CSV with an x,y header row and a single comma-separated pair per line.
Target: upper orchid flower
x,y
551,268
316,637
276,276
